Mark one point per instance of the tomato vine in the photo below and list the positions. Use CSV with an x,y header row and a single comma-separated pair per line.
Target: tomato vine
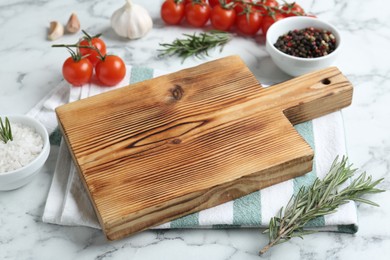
x,y
90,55
227,15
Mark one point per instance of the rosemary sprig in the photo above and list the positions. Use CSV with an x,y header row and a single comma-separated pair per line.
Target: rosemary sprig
x,y
320,199
196,44
5,130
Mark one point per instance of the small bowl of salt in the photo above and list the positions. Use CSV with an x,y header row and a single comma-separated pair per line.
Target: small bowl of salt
x,y
22,156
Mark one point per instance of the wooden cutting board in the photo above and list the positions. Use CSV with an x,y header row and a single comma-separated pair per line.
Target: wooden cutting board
x,y
170,146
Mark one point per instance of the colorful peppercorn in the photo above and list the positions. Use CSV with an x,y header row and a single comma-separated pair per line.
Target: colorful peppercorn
x,y
307,43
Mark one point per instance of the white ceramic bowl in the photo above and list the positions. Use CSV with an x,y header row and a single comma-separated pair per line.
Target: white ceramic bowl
x,y
296,66
17,178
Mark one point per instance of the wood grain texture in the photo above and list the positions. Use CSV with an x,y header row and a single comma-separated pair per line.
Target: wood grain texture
x,y
170,146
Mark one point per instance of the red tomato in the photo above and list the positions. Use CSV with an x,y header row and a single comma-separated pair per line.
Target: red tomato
x,y
197,13
172,12
250,23
293,9
266,3
269,20
77,72
222,19
240,6
93,55
213,3
110,70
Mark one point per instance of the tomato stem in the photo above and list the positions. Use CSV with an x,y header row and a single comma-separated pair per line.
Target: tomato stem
x,y
247,11
198,2
76,55
225,5
89,37
270,10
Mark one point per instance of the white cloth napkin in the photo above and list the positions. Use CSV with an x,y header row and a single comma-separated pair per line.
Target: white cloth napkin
x,y
68,203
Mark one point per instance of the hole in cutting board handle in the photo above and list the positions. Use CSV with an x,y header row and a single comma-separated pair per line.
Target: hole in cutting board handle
x,y
326,81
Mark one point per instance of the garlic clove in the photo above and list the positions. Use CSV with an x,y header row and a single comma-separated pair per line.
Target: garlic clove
x,y
131,21
73,24
56,31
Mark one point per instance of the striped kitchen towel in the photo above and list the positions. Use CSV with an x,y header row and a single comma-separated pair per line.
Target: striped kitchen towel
x,y
68,203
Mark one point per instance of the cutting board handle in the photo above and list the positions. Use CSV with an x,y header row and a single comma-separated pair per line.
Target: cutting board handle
x,y
313,95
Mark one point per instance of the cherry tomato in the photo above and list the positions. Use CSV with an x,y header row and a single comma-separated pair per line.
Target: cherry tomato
x,y
270,20
77,72
250,23
293,9
93,56
241,6
213,3
172,11
266,3
197,13
110,70
222,19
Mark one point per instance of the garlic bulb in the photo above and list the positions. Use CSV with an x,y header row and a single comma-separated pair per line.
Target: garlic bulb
x,y
131,21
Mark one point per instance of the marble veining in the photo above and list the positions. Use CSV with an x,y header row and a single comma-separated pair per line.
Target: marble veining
x,y
30,68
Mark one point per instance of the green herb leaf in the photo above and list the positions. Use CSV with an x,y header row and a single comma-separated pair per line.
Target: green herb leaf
x,y
320,199
196,45
5,130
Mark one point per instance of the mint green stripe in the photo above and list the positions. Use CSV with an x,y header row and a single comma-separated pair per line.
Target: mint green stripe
x,y
350,229
247,210
55,137
139,74
188,221
317,222
306,131
225,226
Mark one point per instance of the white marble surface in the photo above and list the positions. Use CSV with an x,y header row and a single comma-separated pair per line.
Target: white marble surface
x,y
29,69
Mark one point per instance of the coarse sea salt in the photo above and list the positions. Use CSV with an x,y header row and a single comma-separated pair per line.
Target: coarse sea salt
x,y
27,144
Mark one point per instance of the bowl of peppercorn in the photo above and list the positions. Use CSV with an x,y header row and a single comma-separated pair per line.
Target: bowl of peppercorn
x,y
298,45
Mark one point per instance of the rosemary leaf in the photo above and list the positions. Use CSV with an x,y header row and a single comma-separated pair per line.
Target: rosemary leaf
x,y
5,130
322,198
195,45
